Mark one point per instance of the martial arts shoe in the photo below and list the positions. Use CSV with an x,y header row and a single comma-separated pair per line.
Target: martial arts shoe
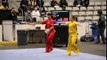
x,y
68,54
49,51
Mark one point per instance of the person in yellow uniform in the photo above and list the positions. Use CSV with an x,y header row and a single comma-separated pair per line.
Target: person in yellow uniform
x,y
1,7
72,38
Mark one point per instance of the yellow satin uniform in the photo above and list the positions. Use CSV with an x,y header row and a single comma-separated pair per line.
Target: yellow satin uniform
x,y
72,29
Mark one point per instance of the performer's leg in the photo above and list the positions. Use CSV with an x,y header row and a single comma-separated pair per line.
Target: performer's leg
x,y
50,40
69,45
47,43
74,45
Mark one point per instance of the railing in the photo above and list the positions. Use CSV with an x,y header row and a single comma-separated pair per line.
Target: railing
x,y
27,16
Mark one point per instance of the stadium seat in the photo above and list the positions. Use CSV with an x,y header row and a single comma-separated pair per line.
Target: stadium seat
x,y
70,4
91,4
89,13
58,8
50,8
75,9
75,13
98,3
47,4
81,18
95,18
88,18
82,13
68,8
90,8
104,3
95,13
83,8
97,8
103,7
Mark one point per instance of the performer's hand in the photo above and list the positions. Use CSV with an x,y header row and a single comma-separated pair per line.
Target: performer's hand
x,y
47,31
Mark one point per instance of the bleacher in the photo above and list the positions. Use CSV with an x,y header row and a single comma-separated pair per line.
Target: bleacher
x,y
82,13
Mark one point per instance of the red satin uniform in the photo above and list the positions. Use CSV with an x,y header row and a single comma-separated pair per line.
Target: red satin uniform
x,y
49,36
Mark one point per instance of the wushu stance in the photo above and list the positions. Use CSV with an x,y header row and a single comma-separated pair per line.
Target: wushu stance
x,y
50,33
72,30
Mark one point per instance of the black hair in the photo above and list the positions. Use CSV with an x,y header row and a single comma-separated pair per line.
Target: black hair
x,y
99,12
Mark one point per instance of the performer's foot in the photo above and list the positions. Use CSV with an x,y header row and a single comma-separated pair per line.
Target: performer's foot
x,y
68,54
47,51
51,50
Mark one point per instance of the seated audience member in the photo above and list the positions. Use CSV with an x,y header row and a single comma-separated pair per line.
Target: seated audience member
x,y
35,4
14,16
63,3
23,6
43,12
78,3
53,3
86,3
35,14
30,6
40,3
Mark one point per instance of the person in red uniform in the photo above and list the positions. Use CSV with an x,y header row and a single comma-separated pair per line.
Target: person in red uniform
x,y
50,32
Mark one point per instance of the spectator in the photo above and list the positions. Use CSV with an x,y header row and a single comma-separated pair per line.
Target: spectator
x,y
23,6
14,16
40,3
35,4
78,3
5,3
43,12
86,3
63,3
101,27
35,14
53,3
30,6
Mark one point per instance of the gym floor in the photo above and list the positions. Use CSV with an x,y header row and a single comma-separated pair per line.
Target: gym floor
x,y
85,47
